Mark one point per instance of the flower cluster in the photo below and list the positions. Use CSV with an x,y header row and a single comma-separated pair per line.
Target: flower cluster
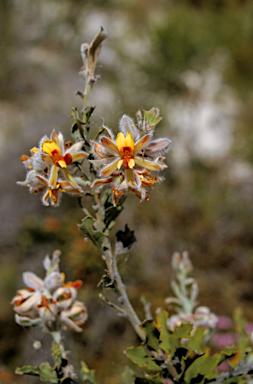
x,y
48,167
128,162
50,303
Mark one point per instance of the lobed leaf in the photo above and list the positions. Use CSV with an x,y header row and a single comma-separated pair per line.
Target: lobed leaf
x,y
152,334
196,341
139,356
204,366
152,118
161,319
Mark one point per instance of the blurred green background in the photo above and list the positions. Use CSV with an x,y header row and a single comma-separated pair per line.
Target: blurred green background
x,y
194,59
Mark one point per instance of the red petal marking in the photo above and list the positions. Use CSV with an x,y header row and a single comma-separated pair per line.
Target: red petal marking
x,y
44,302
126,151
74,284
67,145
68,158
109,144
24,158
141,143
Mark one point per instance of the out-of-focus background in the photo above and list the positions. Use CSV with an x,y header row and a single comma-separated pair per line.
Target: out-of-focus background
x,y
194,59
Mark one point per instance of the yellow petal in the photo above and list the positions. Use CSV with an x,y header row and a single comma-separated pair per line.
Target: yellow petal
x,y
120,164
109,169
49,146
141,143
123,142
120,140
129,141
109,144
131,163
62,163
53,176
151,165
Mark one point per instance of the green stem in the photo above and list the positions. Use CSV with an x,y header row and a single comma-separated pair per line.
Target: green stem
x,y
58,339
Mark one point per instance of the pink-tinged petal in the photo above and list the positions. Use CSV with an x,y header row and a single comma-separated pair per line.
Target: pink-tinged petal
x,y
157,146
110,145
98,150
75,148
53,176
54,137
141,143
79,156
29,304
151,165
109,169
97,182
70,178
32,281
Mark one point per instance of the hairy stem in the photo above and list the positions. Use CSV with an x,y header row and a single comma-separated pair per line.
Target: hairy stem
x,y
111,262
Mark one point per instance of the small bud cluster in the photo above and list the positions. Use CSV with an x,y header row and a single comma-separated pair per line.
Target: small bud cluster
x,y
186,291
50,303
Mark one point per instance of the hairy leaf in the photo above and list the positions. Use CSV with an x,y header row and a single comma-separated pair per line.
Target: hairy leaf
x,y
88,228
152,118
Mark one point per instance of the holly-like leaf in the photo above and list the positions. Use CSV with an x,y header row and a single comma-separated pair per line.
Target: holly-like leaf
x,y
181,332
57,355
44,371
161,319
152,334
204,366
196,341
47,373
87,375
228,352
152,118
139,356
28,370
89,229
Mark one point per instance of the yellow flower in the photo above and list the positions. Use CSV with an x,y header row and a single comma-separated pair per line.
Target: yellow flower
x,y
129,159
54,153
